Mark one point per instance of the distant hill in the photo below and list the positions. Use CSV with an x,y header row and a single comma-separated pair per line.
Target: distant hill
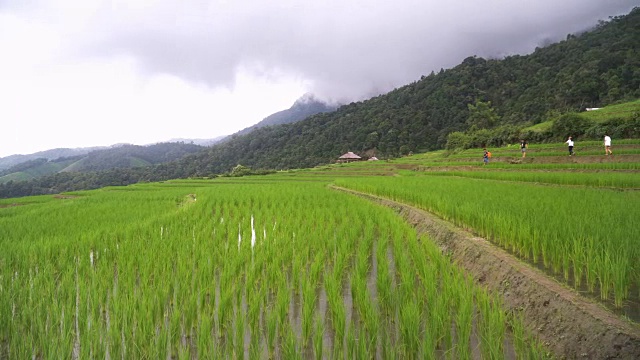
x,y
120,156
12,160
304,107
201,142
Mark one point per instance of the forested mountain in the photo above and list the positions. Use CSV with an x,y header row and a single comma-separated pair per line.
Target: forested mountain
x,y
121,156
498,96
598,67
304,107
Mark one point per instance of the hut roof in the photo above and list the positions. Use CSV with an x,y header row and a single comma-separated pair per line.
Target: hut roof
x,y
373,158
349,155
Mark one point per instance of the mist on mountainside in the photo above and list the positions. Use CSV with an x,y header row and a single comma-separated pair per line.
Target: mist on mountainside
x,y
302,108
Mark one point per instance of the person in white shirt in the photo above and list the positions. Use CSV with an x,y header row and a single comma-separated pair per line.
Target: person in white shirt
x,y
607,145
570,143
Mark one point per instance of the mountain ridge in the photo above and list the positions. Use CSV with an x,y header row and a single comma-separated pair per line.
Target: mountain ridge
x,y
302,108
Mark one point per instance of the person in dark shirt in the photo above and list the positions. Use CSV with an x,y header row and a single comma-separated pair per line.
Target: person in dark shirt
x,y
523,147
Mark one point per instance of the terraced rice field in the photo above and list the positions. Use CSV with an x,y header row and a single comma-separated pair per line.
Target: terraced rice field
x,y
284,266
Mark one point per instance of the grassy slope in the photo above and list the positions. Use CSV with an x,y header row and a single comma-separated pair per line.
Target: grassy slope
x,y
624,110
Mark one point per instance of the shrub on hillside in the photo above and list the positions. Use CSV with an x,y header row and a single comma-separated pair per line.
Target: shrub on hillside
x,y
570,124
458,140
616,127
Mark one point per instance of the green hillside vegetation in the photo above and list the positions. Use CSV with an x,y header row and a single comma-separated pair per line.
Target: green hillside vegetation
x,y
35,168
480,102
53,154
625,111
125,156
619,120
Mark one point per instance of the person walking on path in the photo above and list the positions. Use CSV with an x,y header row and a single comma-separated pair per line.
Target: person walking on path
x,y
607,145
570,143
523,148
486,156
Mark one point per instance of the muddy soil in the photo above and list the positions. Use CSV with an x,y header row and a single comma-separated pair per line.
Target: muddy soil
x,y
569,325
9,205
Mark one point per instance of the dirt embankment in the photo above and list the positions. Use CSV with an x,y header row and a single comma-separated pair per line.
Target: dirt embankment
x,y
569,325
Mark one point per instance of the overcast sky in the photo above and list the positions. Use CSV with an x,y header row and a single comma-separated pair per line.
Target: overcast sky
x,y
94,72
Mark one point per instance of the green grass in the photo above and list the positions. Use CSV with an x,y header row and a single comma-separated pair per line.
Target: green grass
x,y
625,110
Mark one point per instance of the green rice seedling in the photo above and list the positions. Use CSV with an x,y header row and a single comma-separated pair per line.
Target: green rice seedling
x,y
282,300
308,309
238,340
389,351
253,315
383,280
591,264
225,309
337,309
430,340
272,327
516,323
536,245
363,350
618,269
492,325
464,318
318,338
352,344
410,316
578,260
443,318
524,345
566,259
604,265
204,337
255,350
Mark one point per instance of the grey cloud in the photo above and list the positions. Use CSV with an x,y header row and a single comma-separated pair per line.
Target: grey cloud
x,y
347,50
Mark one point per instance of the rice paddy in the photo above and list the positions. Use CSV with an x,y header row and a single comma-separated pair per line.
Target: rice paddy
x,y
206,269
284,267
570,230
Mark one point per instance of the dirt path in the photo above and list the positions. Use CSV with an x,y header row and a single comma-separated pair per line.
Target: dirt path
x,y
569,325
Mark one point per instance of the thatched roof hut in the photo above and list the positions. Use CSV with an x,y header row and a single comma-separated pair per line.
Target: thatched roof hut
x,y
348,157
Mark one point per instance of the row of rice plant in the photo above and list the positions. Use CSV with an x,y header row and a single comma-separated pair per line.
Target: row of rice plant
x,y
588,235
230,269
496,164
579,151
597,179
